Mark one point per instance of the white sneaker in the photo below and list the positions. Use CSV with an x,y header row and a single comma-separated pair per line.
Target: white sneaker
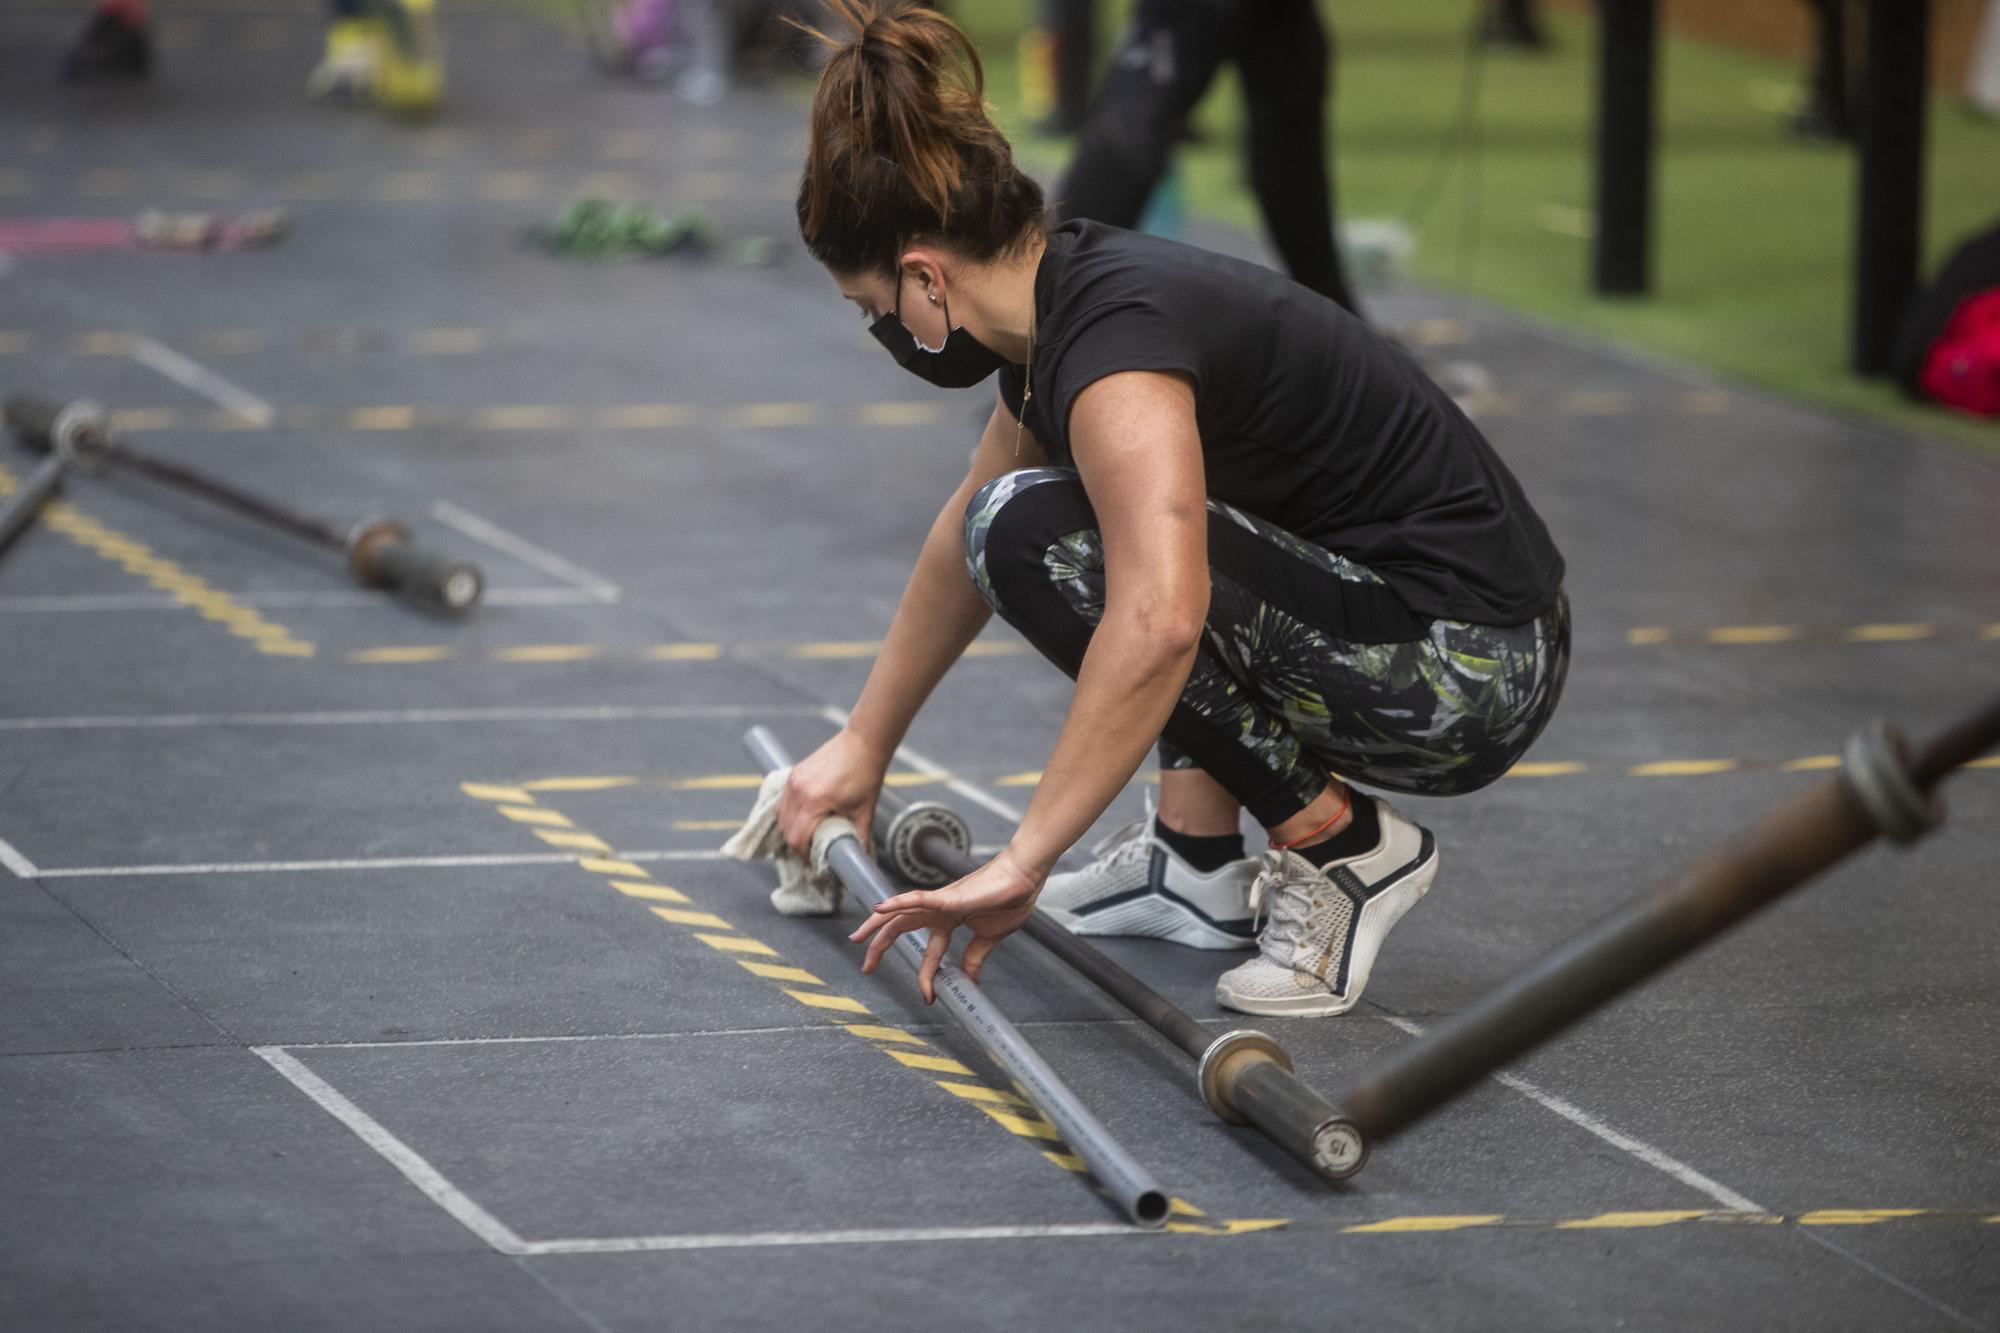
x,y
1139,886
1324,927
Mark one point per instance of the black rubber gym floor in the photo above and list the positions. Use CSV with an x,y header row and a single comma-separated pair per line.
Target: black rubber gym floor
x,y
352,963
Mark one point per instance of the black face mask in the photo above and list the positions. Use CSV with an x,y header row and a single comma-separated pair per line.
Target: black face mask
x,y
962,362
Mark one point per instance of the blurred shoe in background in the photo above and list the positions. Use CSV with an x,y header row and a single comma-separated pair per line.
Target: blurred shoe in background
x,y
116,44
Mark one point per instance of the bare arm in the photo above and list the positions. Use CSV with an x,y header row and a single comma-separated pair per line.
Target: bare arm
x,y
939,614
1139,451
1140,455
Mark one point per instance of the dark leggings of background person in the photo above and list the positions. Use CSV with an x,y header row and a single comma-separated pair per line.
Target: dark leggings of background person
x,y
1827,113
1164,63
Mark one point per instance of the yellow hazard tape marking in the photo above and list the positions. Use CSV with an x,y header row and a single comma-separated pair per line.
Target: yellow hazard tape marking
x,y
549,652
940,1064
770,415
731,943
1890,633
780,972
604,866
382,418
1753,634
1855,1217
534,814
243,622
979,1092
1629,1220
588,842
1447,1222
876,1032
1544,770
1028,1127
1682,768
816,1000
576,784
686,917
659,893
425,653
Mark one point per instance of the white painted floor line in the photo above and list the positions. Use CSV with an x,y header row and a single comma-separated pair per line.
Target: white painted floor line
x,y
20,866
481,530
398,1154
1625,1143
358,863
332,599
931,768
191,374
404,716
776,1239
565,1038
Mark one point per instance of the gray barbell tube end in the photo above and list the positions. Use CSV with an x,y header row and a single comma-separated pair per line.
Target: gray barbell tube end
x,y
1246,1078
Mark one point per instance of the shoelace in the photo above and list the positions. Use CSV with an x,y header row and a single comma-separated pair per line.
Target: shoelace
x,y
1285,902
1126,844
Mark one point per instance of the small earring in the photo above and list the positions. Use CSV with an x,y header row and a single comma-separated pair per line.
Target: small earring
x,y
933,298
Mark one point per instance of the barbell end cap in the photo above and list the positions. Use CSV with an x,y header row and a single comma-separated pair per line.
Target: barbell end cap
x,y
80,435
1339,1149
902,832
1221,1053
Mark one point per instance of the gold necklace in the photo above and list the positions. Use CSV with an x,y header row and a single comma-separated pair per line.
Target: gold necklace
x,y
1027,386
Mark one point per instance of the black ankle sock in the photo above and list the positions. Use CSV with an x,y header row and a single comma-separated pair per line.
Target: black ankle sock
x,y
1207,855
1357,839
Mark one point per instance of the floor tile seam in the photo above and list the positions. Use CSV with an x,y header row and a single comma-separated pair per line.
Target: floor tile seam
x,y
1021,1120
1890,1280
221,1028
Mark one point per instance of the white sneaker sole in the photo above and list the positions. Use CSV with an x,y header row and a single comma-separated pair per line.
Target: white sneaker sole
x,y
1378,914
1150,917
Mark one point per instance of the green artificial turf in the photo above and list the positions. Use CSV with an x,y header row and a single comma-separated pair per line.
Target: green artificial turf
x,y
1754,225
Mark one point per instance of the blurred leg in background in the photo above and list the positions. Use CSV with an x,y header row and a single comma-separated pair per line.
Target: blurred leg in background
x,y
1826,114
1513,23
117,43
1163,65
1286,63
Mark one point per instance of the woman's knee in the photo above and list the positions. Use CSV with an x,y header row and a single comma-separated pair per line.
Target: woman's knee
x,y
1016,516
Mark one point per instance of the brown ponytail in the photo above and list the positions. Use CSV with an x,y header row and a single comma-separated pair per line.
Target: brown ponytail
x,y
902,147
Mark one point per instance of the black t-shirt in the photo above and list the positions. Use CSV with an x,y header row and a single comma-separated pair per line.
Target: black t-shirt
x,y
1308,418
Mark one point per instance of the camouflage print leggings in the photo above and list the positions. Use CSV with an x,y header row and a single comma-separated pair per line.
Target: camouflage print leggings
x,y
1310,665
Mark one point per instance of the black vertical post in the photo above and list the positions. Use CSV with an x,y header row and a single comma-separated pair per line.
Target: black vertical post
x,y
1890,198
1072,26
1627,39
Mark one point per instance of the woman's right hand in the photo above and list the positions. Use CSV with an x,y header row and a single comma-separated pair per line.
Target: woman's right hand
x,y
842,777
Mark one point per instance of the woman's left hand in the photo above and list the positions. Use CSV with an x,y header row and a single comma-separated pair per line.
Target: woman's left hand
x,y
992,902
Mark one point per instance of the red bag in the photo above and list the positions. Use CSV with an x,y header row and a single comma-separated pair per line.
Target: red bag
x,y
1963,367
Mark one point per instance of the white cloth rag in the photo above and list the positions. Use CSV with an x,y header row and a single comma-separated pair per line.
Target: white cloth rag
x,y
803,890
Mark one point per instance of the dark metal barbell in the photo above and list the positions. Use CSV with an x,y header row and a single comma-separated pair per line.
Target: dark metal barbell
x,y
78,437
1245,1076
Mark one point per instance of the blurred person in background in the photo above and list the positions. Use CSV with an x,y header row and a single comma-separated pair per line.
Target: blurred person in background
x,y
384,52
1162,67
